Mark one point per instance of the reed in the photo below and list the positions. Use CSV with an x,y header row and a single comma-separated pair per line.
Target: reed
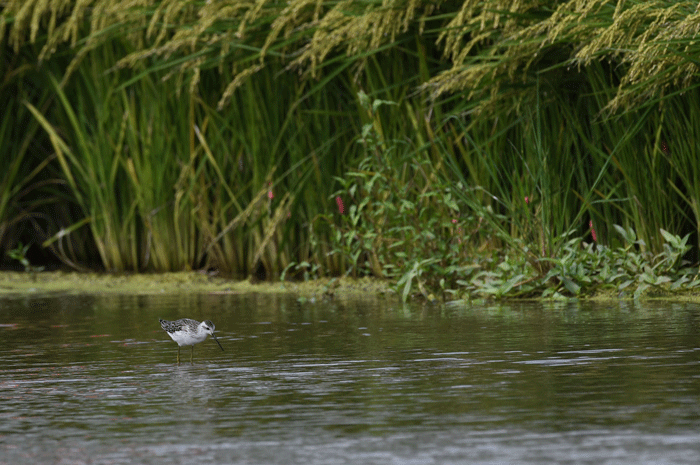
x,y
172,183
495,128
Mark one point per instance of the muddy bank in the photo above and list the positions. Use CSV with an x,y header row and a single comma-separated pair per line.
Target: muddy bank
x,y
13,283
183,282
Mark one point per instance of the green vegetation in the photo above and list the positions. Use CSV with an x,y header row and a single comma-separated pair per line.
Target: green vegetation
x,y
458,149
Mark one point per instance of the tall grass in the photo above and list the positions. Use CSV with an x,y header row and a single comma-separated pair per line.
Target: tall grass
x,y
171,183
220,136
276,147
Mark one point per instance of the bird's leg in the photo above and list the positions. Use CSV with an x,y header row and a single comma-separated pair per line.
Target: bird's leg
x,y
192,356
178,355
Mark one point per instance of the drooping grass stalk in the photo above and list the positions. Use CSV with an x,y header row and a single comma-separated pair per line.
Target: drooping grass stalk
x,y
487,46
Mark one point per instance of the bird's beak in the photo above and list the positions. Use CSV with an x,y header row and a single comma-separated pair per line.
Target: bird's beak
x,y
217,341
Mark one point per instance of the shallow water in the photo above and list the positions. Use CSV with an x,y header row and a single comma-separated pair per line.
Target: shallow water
x,y
86,379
